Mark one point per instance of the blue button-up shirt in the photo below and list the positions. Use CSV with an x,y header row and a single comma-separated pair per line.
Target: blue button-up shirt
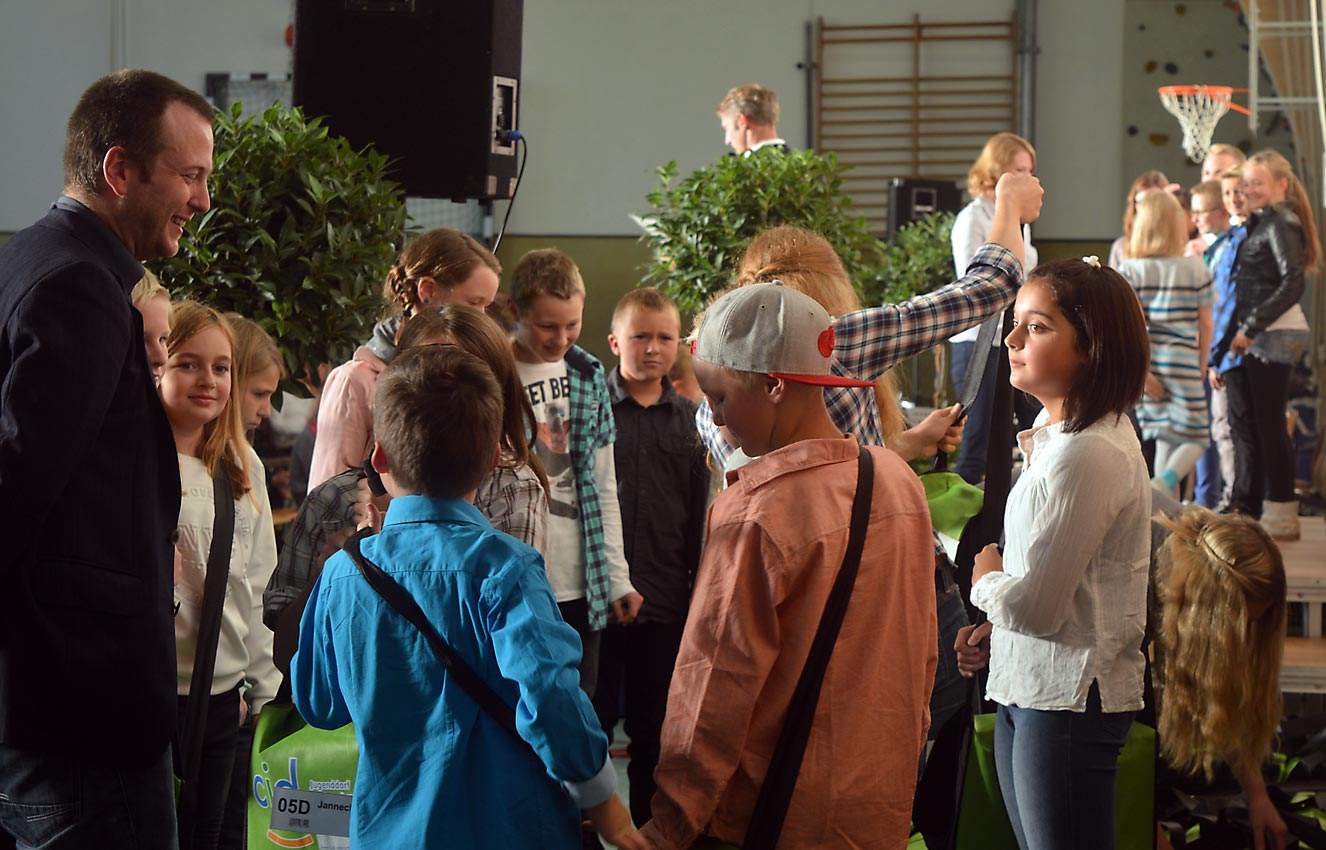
x,y
1220,256
434,769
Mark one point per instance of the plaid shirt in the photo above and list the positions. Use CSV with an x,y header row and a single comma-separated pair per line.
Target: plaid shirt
x,y
592,428
511,498
515,503
869,342
332,501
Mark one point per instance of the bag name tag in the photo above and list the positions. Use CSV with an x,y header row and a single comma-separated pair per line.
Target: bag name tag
x,y
311,812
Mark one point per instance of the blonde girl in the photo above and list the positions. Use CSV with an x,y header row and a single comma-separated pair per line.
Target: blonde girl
x,y
1145,183
1176,296
152,300
1266,336
196,392
1221,582
442,266
259,368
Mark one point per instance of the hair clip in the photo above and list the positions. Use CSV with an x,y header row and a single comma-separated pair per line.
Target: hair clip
x,y
1092,261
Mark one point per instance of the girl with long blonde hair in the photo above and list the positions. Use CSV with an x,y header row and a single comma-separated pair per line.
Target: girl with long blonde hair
x,y
204,414
1175,292
1143,185
1266,336
1221,582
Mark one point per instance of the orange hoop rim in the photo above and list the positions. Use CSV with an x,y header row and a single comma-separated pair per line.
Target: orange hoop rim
x,y
1221,93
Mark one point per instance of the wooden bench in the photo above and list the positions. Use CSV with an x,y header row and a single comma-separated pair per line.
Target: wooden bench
x,y
1304,670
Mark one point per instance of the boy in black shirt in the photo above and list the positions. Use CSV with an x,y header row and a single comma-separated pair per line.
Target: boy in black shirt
x,y
663,487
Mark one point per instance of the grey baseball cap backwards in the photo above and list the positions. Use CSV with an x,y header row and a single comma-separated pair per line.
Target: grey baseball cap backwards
x,y
771,329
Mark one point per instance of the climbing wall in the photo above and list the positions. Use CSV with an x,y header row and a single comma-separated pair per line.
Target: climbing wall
x,y
1180,43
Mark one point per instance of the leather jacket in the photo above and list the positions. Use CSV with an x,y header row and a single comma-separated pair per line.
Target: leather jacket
x,y
1268,273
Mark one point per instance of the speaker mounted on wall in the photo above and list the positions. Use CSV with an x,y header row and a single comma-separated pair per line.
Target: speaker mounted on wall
x,y
433,84
912,197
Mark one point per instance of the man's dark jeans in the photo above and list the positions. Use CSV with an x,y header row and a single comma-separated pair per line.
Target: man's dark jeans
x,y
52,802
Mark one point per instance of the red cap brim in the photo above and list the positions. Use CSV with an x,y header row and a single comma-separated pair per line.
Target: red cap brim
x,y
823,380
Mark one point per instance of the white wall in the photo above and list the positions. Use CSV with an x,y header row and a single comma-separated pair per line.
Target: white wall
x,y
610,90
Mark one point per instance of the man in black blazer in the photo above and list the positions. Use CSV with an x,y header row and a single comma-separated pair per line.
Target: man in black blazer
x,y
89,481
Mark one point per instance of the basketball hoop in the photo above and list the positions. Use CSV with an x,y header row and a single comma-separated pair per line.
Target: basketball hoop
x,y
1199,109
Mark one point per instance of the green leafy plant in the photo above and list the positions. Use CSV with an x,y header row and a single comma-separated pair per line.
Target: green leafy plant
x,y
300,235
917,260
699,227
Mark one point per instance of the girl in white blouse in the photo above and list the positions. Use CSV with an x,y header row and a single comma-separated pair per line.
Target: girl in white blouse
x,y
1068,598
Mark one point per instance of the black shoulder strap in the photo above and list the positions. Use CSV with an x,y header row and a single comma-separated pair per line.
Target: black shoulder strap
x,y
456,666
204,659
766,822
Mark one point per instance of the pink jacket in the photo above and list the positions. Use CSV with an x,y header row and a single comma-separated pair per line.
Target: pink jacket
x,y
345,417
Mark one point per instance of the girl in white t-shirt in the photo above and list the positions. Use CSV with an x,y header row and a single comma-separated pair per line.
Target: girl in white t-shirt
x,y
204,417
1068,598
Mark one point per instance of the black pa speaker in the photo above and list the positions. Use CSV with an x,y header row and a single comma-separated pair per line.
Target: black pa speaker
x,y
434,84
912,197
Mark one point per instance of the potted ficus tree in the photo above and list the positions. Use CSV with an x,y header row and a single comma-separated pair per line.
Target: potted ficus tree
x,y
300,235
700,226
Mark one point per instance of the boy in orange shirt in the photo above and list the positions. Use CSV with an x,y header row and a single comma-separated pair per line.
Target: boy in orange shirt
x,y
776,538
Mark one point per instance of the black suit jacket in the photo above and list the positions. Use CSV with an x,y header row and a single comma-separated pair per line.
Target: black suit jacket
x,y
89,496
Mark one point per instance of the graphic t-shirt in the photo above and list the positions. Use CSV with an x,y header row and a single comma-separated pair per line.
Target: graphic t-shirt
x,y
549,391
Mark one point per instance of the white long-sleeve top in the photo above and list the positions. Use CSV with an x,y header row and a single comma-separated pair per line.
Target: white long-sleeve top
x,y
1070,604
244,649
971,230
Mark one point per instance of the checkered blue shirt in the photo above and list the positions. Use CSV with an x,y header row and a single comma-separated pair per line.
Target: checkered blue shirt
x,y
592,428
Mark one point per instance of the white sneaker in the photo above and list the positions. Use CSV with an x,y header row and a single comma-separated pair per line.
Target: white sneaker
x,y
1280,519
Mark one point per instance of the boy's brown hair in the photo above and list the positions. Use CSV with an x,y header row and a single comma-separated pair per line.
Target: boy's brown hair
x,y
645,298
545,271
439,420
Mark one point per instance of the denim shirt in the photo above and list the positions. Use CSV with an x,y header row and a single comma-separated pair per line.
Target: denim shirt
x,y
1220,256
434,769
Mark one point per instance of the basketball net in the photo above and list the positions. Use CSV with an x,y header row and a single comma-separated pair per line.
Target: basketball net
x,y
1199,109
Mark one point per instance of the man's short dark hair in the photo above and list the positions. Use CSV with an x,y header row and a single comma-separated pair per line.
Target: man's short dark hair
x,y
439,419
1111,337
124,110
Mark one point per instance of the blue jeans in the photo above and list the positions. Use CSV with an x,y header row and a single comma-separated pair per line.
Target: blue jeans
x,y
976,436
53,802
1056,772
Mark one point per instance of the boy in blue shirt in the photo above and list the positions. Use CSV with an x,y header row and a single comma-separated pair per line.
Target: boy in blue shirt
x,y
434,769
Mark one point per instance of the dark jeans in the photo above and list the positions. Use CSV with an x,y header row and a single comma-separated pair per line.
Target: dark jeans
x,y
976,437
635,670
1264,455
950,690
61,803
576,615
218,762
235,822
1056,772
